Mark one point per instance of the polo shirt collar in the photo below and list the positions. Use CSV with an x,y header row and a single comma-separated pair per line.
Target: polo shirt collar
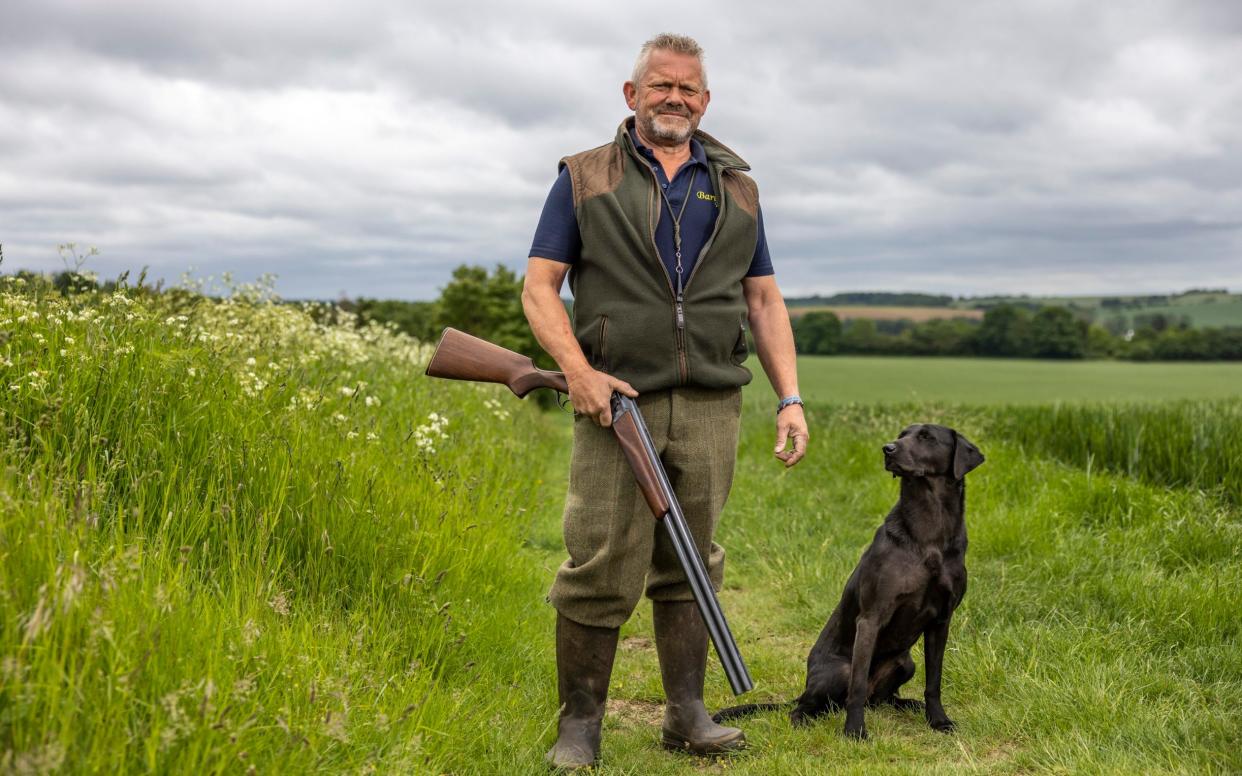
x,y
697,154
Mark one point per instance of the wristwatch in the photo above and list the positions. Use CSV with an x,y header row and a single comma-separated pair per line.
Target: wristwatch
x,y
788,400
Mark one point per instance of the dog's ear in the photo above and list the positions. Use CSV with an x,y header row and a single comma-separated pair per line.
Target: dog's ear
x,y
965,456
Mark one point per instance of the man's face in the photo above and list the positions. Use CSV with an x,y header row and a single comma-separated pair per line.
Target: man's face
x,y
669,99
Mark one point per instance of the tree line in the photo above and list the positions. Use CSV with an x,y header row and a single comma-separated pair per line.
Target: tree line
x,y
1013,331
489,305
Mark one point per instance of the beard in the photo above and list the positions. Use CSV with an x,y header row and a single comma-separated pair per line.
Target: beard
x,y
669,126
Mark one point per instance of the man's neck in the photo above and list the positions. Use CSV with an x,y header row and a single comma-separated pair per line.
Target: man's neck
x,y
670,156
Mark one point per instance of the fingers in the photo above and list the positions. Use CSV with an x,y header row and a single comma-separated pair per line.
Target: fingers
x,y
791,436
591,393
625,388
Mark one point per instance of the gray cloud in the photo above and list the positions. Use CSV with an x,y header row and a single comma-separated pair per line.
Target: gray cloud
x,y
368,148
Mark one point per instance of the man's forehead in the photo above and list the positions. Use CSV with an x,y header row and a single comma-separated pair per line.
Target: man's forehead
x,y
673,65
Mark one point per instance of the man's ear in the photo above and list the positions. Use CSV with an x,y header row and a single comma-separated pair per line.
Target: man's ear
x,y
965,456
630,91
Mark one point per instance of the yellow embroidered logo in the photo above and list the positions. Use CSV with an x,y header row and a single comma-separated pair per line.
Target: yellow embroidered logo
x,y
706,196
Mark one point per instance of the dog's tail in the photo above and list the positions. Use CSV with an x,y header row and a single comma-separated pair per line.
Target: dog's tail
x,y
733,712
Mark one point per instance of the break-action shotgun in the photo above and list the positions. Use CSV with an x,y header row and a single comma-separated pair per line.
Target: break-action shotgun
x,y
460,356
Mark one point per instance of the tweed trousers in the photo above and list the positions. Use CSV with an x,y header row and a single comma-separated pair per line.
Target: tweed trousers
x,y
616,546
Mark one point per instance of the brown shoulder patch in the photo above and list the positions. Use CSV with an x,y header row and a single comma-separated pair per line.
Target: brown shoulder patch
x,y
594,172
742,189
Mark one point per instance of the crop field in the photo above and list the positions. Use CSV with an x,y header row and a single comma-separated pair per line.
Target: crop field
x,y
881,313
236,540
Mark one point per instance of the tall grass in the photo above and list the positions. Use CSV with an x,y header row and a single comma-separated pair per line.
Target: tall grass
x,y
234,539
1177,444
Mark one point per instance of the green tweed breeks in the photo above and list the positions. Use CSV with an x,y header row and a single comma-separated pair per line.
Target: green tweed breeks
x,y
615,544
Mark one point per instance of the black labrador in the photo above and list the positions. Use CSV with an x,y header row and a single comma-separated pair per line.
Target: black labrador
x,y
906,585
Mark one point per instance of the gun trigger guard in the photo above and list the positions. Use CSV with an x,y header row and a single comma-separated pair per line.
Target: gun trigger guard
x,y
562,401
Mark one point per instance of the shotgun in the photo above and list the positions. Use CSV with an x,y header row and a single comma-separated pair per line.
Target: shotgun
x,y
459,356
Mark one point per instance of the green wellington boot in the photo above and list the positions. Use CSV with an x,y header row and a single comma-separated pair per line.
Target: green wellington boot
x,y
584,655
681,642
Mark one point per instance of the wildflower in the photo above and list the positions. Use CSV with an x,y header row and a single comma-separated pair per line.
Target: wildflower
x,y
352,435
250,632
250,361
192,371
280,603
70,340
340,417
347,391
372,401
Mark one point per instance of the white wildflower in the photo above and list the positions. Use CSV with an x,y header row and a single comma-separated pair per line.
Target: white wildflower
x,y
347,391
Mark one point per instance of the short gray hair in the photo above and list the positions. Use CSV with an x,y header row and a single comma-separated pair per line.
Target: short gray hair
x,y
667,41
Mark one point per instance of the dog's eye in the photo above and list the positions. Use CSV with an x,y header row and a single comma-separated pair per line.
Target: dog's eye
x,y
924,435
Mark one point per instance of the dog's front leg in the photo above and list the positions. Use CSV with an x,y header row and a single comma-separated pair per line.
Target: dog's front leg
x,y
860,668
934,640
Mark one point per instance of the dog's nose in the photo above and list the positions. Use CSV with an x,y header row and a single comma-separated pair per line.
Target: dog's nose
x,y
890,448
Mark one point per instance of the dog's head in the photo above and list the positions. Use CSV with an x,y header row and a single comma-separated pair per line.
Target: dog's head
x,y
928,450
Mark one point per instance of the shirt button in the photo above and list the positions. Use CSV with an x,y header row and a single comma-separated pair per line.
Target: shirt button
x,y
665,185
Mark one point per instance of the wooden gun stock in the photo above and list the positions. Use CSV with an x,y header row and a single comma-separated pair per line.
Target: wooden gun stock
x,y
460,356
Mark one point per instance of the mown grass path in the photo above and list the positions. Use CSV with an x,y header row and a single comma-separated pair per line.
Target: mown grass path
x,y
1099,633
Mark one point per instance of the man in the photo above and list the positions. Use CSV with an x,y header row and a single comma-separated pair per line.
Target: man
x,y
661,236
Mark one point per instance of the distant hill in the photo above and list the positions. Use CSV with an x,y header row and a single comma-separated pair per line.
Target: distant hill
x,y
1197,307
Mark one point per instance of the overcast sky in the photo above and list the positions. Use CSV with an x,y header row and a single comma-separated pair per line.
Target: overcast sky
x,y
367,148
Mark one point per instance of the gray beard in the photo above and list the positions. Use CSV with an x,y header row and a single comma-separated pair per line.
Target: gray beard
x,y
669,133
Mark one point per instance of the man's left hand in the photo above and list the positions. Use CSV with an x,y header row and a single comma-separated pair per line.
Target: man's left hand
x,y
791,429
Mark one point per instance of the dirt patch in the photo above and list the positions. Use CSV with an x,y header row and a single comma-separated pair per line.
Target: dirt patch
x,y
635,713
637,644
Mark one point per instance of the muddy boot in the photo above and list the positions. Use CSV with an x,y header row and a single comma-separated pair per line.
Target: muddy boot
x,y
681,642
584,656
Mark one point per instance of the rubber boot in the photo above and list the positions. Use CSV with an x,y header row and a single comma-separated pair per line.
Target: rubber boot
x,y
681,642
584,655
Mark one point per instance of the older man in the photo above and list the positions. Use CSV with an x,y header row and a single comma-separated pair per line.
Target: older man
x,y
661,235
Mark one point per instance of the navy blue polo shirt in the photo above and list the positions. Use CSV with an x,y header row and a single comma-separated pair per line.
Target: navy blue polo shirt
x,y
557,235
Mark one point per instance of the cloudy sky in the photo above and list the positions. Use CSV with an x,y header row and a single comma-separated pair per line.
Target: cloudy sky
x,y
367,148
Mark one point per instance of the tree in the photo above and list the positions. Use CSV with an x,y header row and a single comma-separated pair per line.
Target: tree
x,y
1056,333
488,306
861,337
817,333
1005,331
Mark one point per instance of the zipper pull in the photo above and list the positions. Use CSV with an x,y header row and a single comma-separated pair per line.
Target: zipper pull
x,y
681,316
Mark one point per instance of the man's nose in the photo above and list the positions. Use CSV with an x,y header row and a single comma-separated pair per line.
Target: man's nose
x,y
890,448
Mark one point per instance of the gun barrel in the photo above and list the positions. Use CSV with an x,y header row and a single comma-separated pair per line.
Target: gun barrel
x,y
674,522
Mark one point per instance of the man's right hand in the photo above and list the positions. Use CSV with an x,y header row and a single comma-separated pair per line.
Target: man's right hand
x,y
590,391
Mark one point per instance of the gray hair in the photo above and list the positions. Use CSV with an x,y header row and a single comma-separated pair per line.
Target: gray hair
x,y
667,41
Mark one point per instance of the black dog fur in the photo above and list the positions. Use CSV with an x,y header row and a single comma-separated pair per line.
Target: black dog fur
x,y
907,585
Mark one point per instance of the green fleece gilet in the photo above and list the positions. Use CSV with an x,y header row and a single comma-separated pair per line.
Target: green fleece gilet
x,y
625,313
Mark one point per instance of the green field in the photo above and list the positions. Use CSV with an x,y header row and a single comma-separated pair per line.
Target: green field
x,y
871,380
235,540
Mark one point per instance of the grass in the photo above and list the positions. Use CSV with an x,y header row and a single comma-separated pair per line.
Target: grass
x,y
235,538
881,380
211,565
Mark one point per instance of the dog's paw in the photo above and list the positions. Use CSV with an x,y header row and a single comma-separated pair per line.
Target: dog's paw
x,y
944,725
857,733
905,704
